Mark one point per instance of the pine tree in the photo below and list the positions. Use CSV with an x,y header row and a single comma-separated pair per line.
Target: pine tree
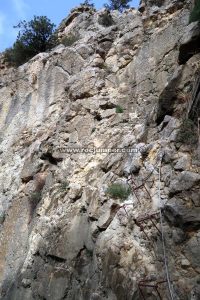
x,y
34,37
87,3
117,5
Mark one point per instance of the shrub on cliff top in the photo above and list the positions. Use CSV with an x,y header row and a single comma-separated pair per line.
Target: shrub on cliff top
x,y
87,3
117,5
195,14
34,37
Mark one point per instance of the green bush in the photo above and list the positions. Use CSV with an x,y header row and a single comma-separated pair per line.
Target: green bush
x,y
117,5
188,133
87,3
119,109
195,14
34,37
118,191
69,40
64,185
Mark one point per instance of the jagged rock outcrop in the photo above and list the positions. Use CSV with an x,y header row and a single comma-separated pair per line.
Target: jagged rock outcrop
x,y
61,235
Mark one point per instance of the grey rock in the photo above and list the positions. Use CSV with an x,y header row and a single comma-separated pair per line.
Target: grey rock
x,y
191,251
181,216
184,181
132,165
73,246
178,235
182,163
185,263
195,293
108,113
75,191
86,84
95,296
167,173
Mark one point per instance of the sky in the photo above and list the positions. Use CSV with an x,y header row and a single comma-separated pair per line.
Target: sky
x,y
12,11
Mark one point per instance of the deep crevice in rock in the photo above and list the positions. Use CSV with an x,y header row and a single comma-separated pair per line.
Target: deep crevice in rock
x,y
48,156
194,109
107,106
168,97
27,179
166,107
97,116
188,50
56,258
106,169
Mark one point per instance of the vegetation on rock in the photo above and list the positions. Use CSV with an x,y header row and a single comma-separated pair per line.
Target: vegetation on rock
x,y
119,109
87,3
34,37
117,5
64,185
195,14
119,191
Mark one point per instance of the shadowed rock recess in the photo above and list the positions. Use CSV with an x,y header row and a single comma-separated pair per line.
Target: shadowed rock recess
x,y
127,81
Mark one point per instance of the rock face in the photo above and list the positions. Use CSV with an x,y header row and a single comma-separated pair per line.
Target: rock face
x,y
106,109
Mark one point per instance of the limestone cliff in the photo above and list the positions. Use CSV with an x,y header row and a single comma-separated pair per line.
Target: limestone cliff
x,y
61,235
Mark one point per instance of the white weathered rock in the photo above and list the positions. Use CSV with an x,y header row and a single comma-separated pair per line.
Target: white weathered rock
x,y
57,110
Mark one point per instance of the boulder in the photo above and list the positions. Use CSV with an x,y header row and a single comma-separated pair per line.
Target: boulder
x,y
191,251
180,215
183,181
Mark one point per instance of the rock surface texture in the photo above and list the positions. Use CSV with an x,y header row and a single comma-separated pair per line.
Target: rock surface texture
x,y
62,237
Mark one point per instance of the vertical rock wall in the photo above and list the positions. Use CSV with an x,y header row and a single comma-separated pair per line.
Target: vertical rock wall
x,y
62,236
